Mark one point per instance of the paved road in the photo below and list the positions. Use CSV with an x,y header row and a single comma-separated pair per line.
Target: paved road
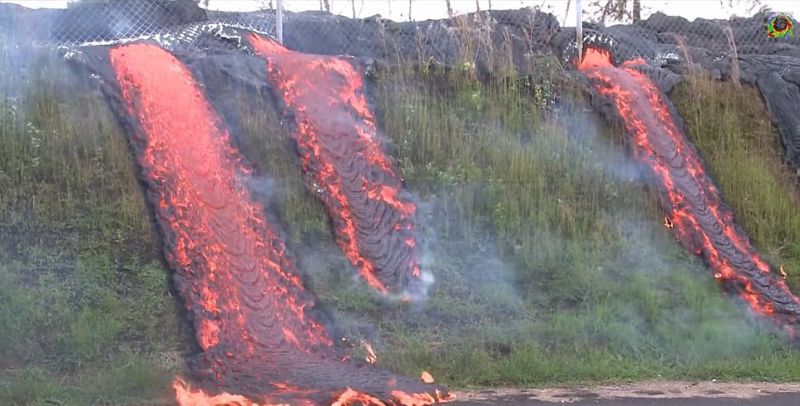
x,y
785,399
652,393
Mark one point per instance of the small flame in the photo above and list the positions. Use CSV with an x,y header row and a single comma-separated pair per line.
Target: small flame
x,y
668,223
417,399
426,377
371,357
352,397
187,396
783,272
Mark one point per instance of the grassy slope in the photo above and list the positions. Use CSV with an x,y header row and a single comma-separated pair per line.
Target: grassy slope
x,y
550,262
595,289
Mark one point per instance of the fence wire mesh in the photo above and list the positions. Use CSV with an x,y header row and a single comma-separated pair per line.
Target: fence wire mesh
x,y
430,28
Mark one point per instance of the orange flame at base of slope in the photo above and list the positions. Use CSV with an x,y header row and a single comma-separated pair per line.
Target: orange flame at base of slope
x,y
187,396
352,397
700,220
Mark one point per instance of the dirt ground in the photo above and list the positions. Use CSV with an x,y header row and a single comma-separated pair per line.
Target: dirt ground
x,y
655,393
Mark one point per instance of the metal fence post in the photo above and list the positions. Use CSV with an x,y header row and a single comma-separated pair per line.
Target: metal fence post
x,y
279,21
578,31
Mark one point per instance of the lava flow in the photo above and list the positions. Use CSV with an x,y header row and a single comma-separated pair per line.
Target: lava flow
x,y
337,141
699,218
260,345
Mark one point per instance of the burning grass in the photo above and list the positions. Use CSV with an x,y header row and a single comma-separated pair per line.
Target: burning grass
x,y
551,260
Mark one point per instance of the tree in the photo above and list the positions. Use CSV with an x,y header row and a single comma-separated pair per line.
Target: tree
x,y
754,4
266,5
617,9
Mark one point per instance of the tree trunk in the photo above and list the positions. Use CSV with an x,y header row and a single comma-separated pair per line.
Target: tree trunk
x,y
637,11
409,9
327,5
449,9
353,4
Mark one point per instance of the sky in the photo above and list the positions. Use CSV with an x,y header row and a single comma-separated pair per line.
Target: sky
x,y
398,10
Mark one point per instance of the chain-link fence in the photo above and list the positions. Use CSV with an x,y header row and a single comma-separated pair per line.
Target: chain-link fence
x,y
435,29
765,32
96,22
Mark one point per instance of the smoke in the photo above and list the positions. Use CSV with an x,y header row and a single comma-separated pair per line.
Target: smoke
x,y
586,128
264,189
672,293
476,269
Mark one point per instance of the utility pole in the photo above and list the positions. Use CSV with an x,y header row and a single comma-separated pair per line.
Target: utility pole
x,y
578,31
279,21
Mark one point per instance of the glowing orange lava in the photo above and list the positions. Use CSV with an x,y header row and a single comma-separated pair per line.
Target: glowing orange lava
x,y
220,239
699,218
260,346
351,397
187,396
338,144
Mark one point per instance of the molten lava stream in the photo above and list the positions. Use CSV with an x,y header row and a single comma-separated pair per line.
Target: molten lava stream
x,y
259,344
698,216
337,140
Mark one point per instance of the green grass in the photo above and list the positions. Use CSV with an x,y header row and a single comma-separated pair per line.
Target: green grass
x,y
85,308
550,262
